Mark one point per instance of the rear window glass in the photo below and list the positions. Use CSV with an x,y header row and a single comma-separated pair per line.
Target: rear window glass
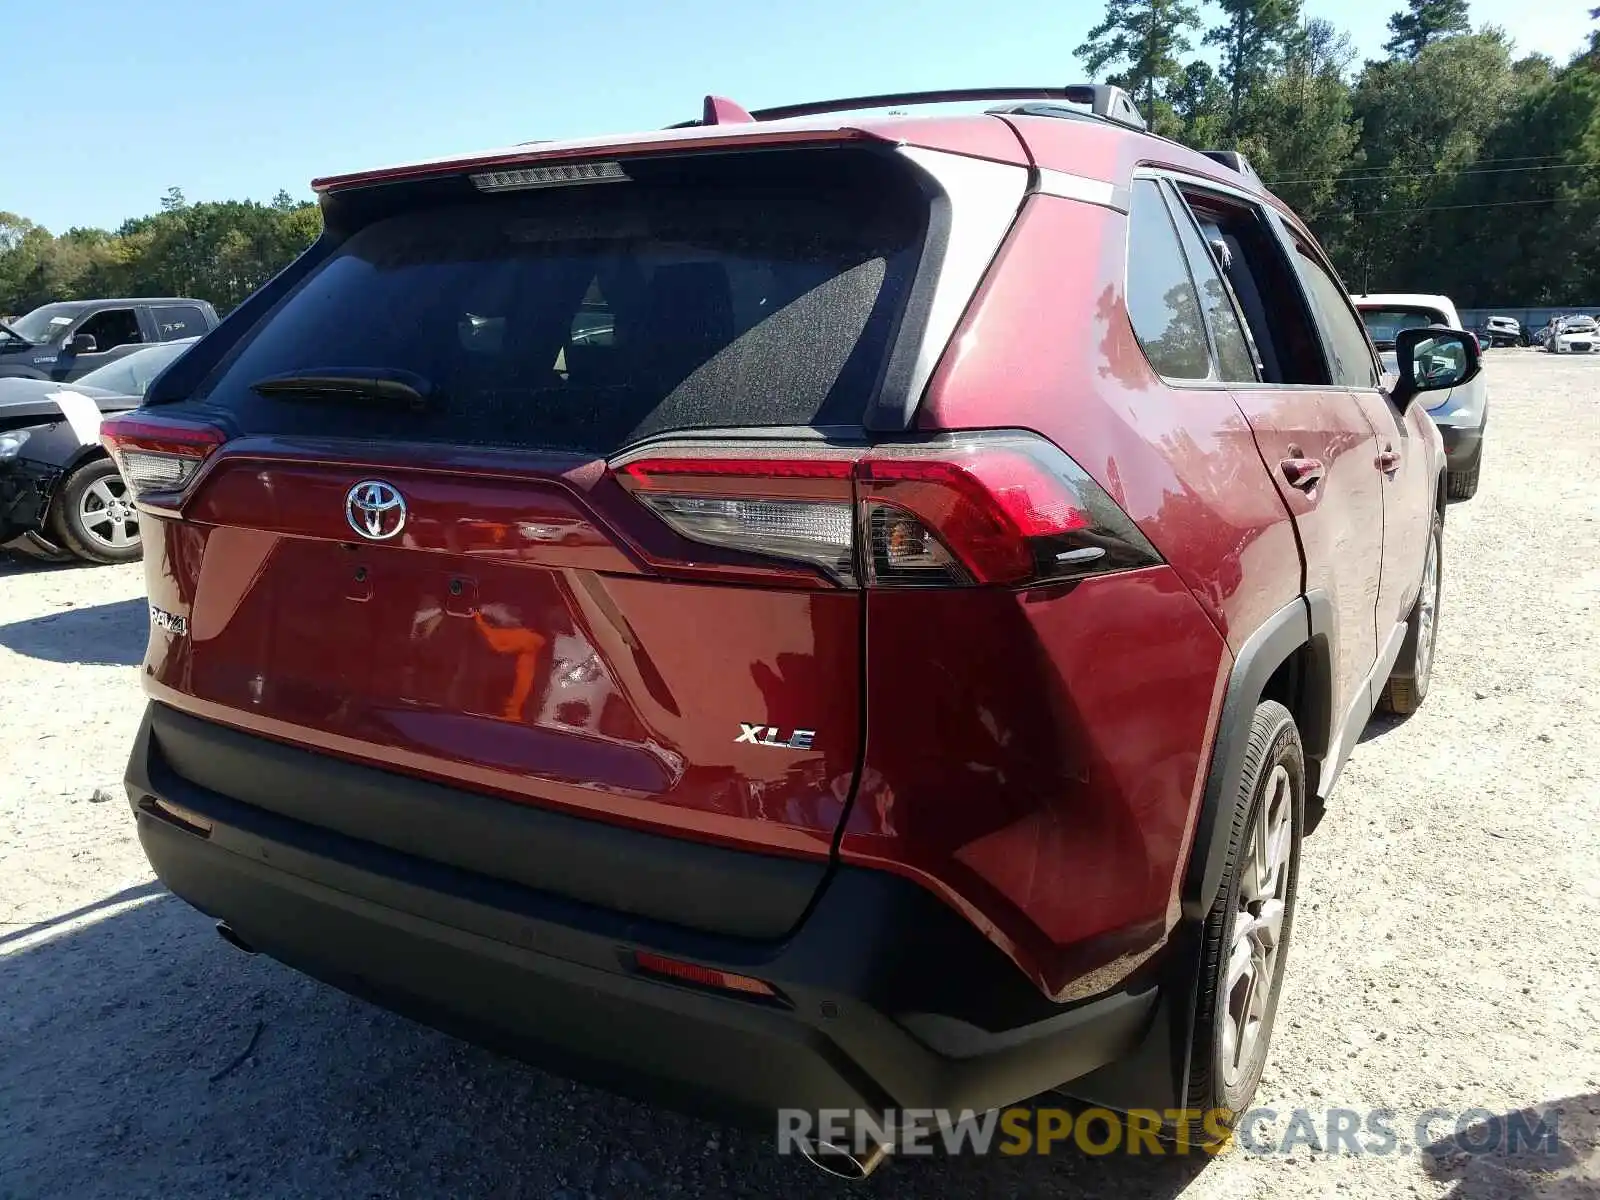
x,y
1383,323
177,321
586,318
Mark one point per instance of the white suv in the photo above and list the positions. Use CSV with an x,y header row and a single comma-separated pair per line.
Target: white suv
x,y
1462,412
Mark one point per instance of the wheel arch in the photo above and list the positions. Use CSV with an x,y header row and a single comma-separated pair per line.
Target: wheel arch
x,y
1289,658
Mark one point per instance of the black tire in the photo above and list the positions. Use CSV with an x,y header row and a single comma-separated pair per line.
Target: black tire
x,y
70,526
1274,742
1463,484
1408,683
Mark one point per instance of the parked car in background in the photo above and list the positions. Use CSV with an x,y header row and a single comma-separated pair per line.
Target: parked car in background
x,y
1573,335
1505,331
66,341
1461,412
60,494
771,707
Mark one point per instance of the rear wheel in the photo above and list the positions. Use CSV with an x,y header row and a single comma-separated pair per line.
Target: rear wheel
x,y
1246,935
1463,484
93,515
1408,683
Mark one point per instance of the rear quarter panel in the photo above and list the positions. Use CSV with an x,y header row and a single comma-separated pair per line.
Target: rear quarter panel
x,y
1038,757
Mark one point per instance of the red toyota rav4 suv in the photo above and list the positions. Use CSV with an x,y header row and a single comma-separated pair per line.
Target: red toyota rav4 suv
x,y
794,610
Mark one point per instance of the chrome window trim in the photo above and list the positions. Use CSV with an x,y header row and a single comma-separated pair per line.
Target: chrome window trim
x,y
1082,188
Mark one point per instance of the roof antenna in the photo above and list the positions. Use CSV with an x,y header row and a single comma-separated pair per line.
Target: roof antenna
x,y
719,110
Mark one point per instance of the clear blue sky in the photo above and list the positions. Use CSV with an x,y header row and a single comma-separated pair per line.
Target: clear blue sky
x,y
234,100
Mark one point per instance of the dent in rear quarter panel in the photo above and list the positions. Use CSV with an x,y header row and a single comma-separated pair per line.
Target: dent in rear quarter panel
x,y
1131,661
1048,346
1036,758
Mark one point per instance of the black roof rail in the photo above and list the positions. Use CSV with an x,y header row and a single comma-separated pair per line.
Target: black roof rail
x,y
1102,99
1234,161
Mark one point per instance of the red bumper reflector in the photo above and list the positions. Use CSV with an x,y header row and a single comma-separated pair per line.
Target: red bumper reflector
x,y
657,964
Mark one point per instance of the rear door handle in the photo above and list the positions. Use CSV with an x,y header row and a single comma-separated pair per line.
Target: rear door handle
x,y
1302,473
1389,460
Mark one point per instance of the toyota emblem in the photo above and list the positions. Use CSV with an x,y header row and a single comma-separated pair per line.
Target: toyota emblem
x,y
375,509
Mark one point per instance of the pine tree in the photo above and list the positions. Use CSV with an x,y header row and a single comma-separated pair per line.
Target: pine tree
x,y
1253,38
1146,38
1425,21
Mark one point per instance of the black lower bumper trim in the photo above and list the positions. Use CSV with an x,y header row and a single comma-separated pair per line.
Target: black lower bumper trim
x,y
553,981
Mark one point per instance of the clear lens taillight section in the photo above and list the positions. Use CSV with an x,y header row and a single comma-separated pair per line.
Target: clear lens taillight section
x,y
1005,509
157,454
797,509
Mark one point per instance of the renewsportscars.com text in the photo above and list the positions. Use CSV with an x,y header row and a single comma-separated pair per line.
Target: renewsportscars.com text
x,y
1099,1131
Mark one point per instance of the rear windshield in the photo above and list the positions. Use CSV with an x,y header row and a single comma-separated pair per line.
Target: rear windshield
x,y
585,318
1384,323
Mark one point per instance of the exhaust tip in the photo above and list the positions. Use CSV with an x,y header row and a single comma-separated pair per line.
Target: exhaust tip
x,y
842,1162
226,933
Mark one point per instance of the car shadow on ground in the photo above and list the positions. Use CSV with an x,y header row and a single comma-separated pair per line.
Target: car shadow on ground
x,y
25,564
107,635
1380,724
1550,1151
141,1056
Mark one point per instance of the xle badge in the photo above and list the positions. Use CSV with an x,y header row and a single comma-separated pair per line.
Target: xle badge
x,y
770,735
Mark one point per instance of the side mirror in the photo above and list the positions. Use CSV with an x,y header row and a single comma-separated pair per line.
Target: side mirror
x,y
82,343
1434,360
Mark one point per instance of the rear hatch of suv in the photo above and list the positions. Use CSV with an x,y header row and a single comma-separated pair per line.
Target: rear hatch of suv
x,y
413,519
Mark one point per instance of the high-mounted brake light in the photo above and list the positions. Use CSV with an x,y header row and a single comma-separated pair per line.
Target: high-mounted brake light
x,y
563,175
156,454
990,508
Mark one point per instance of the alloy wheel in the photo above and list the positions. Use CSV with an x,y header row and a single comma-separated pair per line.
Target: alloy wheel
x,y
1427,612
107,514
1257,939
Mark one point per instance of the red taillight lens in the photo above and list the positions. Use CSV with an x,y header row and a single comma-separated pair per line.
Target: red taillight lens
x,y
157,454
1010,507
976,508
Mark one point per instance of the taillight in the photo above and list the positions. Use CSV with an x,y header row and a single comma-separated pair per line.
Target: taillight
x,y
1010,508
791,508
1007,509
155,453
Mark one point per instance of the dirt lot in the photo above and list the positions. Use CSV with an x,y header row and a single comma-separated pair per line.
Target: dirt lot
x,y
1447,951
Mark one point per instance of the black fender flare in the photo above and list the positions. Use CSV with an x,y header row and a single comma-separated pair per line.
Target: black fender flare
x,y
1304,627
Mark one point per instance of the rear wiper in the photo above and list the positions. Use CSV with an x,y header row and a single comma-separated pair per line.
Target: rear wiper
x,y
361,385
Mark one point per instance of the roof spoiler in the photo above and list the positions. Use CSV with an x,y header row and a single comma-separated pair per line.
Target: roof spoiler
x,y
1105,101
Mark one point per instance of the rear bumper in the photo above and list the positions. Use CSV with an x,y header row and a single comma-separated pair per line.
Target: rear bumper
x,y
890,999
1461,425
1461,445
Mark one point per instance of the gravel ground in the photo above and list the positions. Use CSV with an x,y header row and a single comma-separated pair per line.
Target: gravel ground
x,y
1446,949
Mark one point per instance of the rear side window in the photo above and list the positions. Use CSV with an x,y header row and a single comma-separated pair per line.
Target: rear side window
x,y
174,321
1162,302
586,318
1351,357
1237,359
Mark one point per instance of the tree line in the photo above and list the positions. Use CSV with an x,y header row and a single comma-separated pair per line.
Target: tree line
x,y
1449,165
219,252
